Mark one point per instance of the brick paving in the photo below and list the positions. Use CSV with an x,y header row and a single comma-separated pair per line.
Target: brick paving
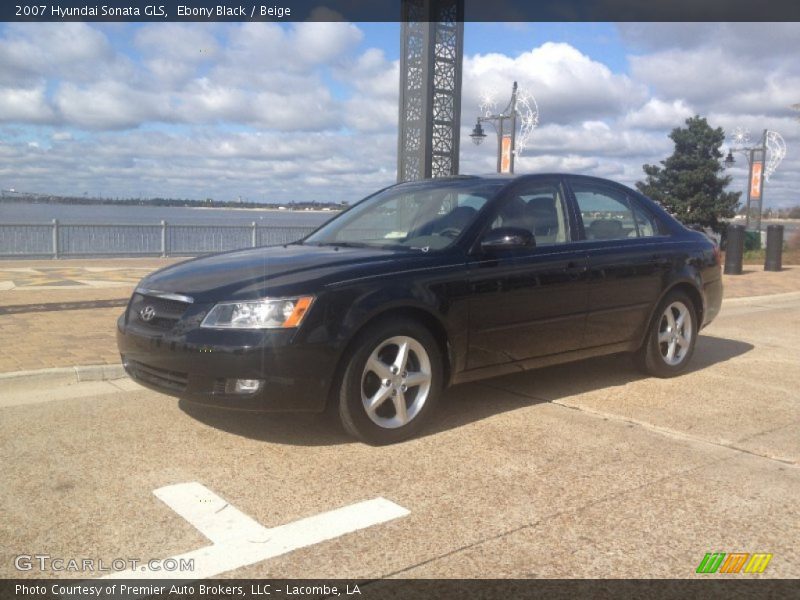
x,y
58,339
38,339
32,338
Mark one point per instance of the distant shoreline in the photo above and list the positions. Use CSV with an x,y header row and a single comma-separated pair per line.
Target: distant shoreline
x,y
75,214
167,202
277,210
286,210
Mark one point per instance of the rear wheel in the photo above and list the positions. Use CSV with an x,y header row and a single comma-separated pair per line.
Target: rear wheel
x,y
670,342
391,382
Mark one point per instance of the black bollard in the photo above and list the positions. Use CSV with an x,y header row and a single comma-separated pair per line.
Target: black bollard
x,y
735,250
772,261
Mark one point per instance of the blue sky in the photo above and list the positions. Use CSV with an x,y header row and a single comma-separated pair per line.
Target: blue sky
x,y
309,110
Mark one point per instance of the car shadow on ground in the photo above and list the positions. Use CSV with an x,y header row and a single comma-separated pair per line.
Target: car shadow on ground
x,y
296,429
466,403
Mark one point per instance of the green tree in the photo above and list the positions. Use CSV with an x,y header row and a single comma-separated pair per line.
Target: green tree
x,y
689,183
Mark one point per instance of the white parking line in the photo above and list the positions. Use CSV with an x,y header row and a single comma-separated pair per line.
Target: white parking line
x,y
216,519
239,541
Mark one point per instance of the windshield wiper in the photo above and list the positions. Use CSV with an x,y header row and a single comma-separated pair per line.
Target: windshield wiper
x,y
344,244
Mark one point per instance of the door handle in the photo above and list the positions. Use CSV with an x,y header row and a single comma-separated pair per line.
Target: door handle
x,y
574,269
661,261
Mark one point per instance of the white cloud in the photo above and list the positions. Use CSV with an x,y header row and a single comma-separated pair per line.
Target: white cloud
x,y
201,162
255,52
763,42
312,41
272,112
298,111
736,67
173,51
567,84
698,75
108,105
658,114
178,41
261,74
24,104
75,51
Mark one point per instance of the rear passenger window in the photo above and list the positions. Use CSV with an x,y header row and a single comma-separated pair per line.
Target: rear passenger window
x,y
646,225
609,214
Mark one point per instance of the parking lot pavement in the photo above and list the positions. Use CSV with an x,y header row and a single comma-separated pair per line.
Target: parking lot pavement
x,y
583,470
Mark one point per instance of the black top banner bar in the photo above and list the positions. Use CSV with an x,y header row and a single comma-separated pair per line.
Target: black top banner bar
x,y
390,10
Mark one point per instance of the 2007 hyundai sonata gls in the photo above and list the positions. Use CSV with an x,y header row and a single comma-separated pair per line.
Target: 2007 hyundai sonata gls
x,y
422,285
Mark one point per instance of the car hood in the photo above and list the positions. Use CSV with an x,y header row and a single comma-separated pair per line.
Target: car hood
x,y
273,270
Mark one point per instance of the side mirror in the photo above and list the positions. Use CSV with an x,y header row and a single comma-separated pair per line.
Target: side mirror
x,y
508,238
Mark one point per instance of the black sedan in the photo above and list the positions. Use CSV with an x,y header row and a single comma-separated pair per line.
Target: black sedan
x,y
423,285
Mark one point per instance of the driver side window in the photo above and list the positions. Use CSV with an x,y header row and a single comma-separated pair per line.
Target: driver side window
x,y
389,220
539,208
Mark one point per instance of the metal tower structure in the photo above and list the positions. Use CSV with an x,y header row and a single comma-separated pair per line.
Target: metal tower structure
x,y
430,88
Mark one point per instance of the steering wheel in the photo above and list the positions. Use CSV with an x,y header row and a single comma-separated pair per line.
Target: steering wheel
x,y
451,232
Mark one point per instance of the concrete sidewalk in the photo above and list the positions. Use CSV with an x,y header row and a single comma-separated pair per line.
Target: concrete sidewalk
x,y
63,313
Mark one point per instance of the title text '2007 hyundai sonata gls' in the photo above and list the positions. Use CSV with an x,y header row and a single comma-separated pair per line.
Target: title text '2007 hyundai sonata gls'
x,y
420,286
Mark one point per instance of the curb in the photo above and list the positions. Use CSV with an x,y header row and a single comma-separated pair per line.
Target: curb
x,y
13,309
763,298
63,375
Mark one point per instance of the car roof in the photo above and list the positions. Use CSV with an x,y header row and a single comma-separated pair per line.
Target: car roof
x,y
508,177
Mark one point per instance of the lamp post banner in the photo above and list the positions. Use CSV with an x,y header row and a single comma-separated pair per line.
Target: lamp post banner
x,y
505,155
756,175
755,189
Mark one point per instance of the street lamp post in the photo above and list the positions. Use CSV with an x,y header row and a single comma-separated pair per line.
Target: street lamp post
x,y
762,160
506,142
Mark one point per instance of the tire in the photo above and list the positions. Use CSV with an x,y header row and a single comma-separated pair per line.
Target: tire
x,y
669,344
399,408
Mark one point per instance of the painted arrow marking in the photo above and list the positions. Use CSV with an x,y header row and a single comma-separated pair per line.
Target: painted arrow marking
x,y
239,541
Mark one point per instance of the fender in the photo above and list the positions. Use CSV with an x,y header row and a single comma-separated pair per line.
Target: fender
x,y
686,275
440,302
405,295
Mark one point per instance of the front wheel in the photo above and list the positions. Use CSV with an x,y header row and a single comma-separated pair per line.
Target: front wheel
x,y
391,382
670,342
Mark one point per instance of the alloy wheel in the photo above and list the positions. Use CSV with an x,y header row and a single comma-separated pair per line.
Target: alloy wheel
x,y
675,333
396,381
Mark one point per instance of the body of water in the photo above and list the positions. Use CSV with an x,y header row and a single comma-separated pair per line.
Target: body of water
x,y
23,212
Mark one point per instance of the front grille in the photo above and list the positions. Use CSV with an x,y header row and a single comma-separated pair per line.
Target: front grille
x,y
170,380
165,313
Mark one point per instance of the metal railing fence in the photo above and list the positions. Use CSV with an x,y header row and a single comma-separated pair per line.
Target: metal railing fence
x,y
60,240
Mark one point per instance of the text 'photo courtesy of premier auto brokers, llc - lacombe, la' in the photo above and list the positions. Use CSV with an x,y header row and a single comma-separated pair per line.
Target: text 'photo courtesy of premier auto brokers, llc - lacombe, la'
x,y
212,590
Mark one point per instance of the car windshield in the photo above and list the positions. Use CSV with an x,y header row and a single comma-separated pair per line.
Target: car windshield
x,y
428,215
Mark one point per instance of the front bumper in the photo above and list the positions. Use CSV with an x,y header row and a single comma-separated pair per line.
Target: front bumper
x,y
196,364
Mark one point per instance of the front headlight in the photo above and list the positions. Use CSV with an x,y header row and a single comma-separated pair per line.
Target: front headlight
x,y
269,313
